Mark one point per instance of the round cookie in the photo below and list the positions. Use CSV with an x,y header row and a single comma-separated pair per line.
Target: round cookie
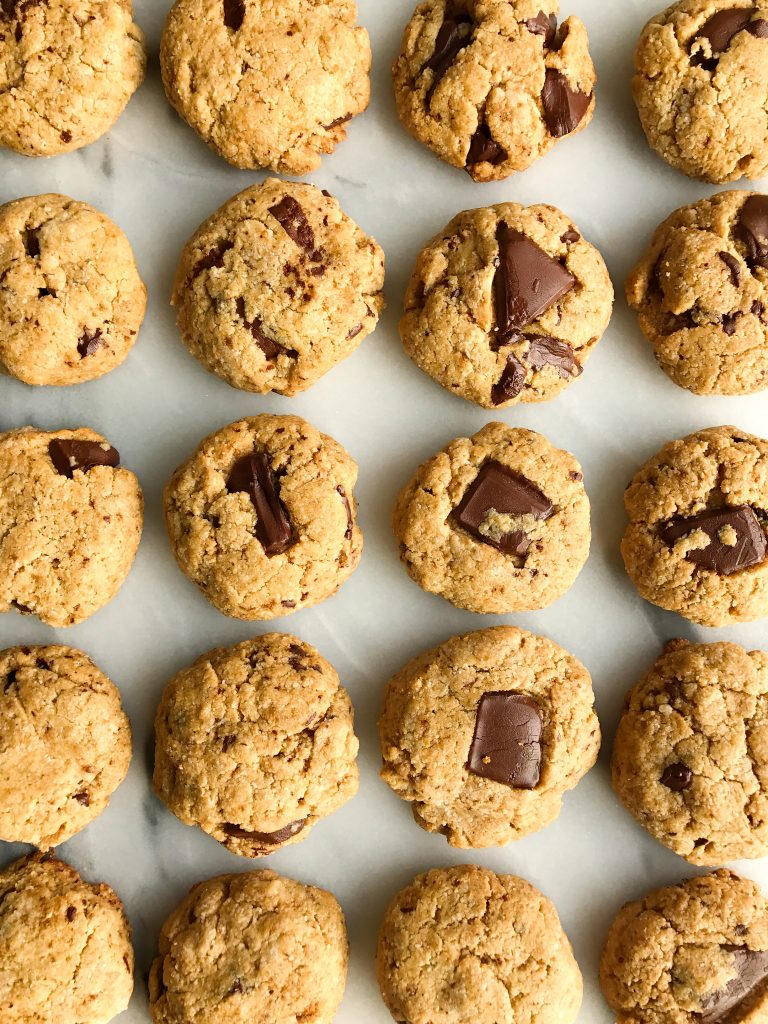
x,y
485,733
464,944
65,743
497,522
70,523
67,71
491,85
251,947
690,760
65,946
697,539
506,304
692,953
277,287
700,85
255,743
700,293
262,517
71,299
267,84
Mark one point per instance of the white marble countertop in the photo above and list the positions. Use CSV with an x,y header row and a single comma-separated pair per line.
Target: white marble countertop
x,y
155,178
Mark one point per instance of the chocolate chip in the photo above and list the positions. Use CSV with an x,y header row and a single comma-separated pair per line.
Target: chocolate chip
x,y
545,351
66,136
543,25
89,342
43,664
354,332
484,148
758,310
32,242
575,475
719,30
676,777
234,14
335,124
10,679
350,521
227,742
43,293
288,604
71,913
214,258
752,230
67,456
454,34
253,474
758,28
564,107
237,987
751,967
729,321
571,236
506,745
733,266
511,382
271,348
293,220
750,547
21,608
82,798
266,838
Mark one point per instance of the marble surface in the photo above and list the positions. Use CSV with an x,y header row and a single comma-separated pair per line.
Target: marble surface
x,y
155,178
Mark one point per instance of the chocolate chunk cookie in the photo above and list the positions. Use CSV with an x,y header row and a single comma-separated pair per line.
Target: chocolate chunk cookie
x,y
491,85
277,287
700,292
67,71
267,84
497,522
252,947
506,304
697,539
70,523
700,85
464,944
71,299
693,953
485,733
262,517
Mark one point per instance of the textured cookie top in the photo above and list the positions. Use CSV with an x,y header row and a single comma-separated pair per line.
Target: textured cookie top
x,y
506,304
252,947
497,522
67,70
71,299
463,943
701,87
277,287
491,85
697,539
65,946
267,83
70,523
693,952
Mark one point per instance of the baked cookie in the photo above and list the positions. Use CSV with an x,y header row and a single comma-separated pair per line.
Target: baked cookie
x,y
693,953
262,517
266,84
65,743
506,304
701,294
65,946
67,71
464,944
497,522
491,85
71,299
70,523
697,539
252,947
277,287
485,733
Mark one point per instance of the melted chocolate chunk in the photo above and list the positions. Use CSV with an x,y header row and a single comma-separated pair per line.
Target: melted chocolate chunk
x,y
506,745
750,547
543,25
751,971
266,838
89,342
71,914
564,107
253,475
544,351
335,124
83,798
271,348
511,382
234,14
354,332
719,30
484,148
752,230
734,267
677,777
571,236
758,28
350,520
214,258
729,321
454,34
67,455
293,220
10,679
32,242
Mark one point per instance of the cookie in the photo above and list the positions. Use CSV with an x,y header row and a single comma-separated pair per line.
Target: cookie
x,y
277,287
65,946
252,947
262,517
70,523
697,539
506,304
497,522
701,79
464,944
690,760
71,299
484,734
266,84
492,85
693,953
67,71
65,743
700,293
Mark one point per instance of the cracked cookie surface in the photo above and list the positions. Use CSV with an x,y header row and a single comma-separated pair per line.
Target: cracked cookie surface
x,y
255,947
464,944
71,299
267,83
506,304
277,287
697,539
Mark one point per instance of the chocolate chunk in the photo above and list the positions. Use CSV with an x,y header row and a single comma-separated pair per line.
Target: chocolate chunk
x,y
543,25
733,266
354,332
719,30
752,230
506,745
227,742
89,342
729,322
758,28
10,679
484,148
67,455
294,222
82,798
43,293
215,258
751,971
66,136
350,520
32,242
234,13
564,107
266,838
335,124
71,913
454,34
253,475
271,348
544,351
676,777
571,236
511,382
750,545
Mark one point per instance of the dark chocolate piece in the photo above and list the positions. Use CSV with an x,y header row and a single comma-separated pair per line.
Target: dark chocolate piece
x,y
253,475
511,382
564,107
758,28
544,351
506,745
677,777
234,14
348,507
750,548
69,455
271,348
543,25
214,258
719,30
32,242
454,34
293,220
752,230
571,236
83,798
751,972
729,321
89,342
266,838
484,148
733,265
